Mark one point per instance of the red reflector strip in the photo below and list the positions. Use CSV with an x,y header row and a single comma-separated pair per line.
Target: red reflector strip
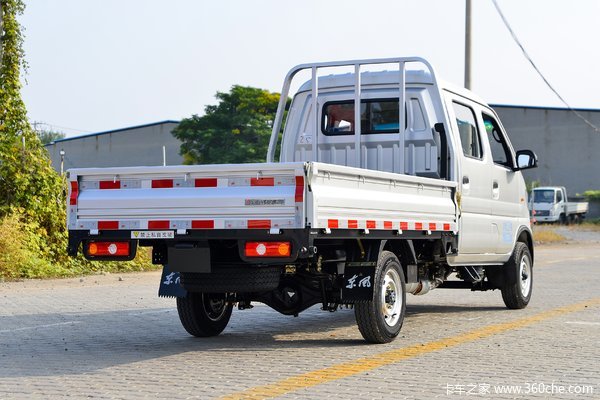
x,y
206,182
332,223
74,193
162,183
387,224
206,224
110,185
97,249
371,225
299,195
108,225
267,249
259,224
418,226
262,181
159,224
352,224
432,226
446,227
404,226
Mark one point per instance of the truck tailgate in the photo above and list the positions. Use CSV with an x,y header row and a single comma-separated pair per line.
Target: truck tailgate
x,y
233,196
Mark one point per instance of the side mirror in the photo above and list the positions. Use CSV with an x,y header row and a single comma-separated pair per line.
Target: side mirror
x,y
526,159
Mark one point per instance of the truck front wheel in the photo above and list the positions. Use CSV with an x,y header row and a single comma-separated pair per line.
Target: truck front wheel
x,y
204,314
380,319
516,291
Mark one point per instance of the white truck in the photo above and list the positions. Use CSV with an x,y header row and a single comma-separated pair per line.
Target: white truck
x,y
550,204
425,192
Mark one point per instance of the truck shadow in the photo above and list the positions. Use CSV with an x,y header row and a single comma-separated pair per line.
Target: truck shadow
x,y
77,343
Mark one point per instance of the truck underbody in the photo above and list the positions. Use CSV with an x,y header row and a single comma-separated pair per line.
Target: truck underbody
x,y
318,270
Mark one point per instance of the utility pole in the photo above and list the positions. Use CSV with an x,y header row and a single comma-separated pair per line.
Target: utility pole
x,y
468,45
62,162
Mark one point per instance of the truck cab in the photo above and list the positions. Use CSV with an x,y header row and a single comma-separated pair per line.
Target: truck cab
x,y
550,204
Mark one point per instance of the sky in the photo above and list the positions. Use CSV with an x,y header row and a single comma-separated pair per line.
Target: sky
x,y
97,65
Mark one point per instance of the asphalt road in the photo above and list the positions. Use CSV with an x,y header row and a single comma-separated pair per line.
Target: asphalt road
x,y
108,338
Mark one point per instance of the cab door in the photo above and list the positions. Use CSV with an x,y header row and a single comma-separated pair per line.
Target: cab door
x,y
474,180
507,189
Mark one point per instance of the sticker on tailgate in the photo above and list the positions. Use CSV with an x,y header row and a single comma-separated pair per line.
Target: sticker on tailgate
x,y
152,234
264,202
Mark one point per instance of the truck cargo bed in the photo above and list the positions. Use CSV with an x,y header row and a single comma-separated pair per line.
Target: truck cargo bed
x,y
258,196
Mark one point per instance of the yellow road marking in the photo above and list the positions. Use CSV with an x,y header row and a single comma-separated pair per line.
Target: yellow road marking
x,y
566,260
358,366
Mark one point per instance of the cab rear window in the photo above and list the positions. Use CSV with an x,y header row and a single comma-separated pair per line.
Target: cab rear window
x,y
376,116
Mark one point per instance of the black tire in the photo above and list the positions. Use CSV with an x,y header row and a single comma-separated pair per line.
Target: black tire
x,y
380,319
245,279
518,286
204,315
563,220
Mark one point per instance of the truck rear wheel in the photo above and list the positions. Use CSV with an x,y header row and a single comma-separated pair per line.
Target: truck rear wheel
x,y
380,319
203,314
516,291
563,219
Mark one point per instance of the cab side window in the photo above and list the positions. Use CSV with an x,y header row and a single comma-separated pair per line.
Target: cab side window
x,y
500,151
559,196
467,128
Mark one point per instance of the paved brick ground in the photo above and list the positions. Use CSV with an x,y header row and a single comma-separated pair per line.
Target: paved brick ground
x,y
106,338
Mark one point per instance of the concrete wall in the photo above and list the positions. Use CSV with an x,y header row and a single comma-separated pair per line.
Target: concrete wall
x,y
594,210
568,150
135,146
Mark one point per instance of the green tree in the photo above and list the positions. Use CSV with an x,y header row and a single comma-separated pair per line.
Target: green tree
x,y
237,130
47,136
29,188
33,238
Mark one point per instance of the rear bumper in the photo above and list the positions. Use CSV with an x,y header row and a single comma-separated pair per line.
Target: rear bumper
x,y
546,218
299,238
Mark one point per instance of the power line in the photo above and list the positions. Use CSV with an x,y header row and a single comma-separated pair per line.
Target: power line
x,y
514,36
52,126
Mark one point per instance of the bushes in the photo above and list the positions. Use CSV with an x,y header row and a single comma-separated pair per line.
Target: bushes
x,y
33,238
24,253
19,249
592,195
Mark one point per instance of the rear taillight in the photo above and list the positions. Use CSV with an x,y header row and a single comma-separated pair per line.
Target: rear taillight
x,y
74,193
268,249
108,249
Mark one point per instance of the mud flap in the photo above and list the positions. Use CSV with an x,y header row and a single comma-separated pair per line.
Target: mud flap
x,y
170,285
359,278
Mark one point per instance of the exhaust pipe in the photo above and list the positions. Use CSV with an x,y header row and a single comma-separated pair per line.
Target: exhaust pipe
x,y
422,287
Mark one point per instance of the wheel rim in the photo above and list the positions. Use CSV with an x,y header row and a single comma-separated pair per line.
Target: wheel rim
x,y
525,274
391,297
214,308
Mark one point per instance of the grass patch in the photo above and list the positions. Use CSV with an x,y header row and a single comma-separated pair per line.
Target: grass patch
x,y
544,234
590,225
24,254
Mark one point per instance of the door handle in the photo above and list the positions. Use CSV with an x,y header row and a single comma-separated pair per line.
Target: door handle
x,y
495,190
465,180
